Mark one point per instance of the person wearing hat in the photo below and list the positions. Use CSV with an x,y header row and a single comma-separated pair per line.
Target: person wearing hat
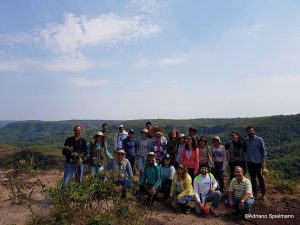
x,y
205,186
219,157
159,145
205,155
167,173
75,152
129,146
182,191
121,171
96,152
151,178
120,136
143,147
180,148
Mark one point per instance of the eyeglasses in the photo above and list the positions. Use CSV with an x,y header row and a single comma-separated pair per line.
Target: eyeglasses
x,y
189,139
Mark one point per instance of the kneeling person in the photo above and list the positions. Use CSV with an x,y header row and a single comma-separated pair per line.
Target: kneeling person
x,y
205,186
240,192
122,171
151,178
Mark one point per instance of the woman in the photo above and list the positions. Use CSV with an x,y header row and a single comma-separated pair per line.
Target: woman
x,y
190,157
159,146
143,147
167,173
235,152
96,152
172,145
220,161
182,190
205,156
180,148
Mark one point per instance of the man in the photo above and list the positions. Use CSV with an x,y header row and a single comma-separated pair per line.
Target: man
x,y
193,134
129,146
255,158
104,129
120,136
240,192
75,150
149,127
151,178
122,171
205,186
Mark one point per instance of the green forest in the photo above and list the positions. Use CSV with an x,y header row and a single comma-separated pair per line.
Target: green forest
x,y
281,134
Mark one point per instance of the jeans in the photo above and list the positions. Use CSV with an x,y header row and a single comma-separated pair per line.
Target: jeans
x,y
254,171
236,202
70,170
95,169
214,197
184,200
218,174
141,162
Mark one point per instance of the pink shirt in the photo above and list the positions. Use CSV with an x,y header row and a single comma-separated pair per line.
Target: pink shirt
x,y
190,158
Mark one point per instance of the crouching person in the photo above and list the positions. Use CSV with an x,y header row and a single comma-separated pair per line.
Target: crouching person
x,y
151,178
182,190
240,192
121,171
205,186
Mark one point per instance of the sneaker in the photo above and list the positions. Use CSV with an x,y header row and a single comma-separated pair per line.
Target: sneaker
x,y
187,211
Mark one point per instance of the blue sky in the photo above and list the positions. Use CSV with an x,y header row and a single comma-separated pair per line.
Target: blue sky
x,y
138,59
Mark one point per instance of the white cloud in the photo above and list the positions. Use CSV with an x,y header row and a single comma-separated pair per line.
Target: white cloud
x,y
141,63
173,60
85,82
12,65
77,32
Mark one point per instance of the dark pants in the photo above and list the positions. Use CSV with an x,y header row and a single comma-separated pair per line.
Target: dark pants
x,y
191,173
218,174
132,161
254,170
232,165
166,188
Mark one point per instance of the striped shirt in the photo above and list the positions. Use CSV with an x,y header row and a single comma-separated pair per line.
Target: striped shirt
x,y
240,189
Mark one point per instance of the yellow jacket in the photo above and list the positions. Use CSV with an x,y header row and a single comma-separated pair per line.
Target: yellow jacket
x,y
186,187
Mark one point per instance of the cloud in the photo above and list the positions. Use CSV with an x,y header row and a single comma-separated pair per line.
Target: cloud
x,y
173,60
66,63
77,32
141,63
85,82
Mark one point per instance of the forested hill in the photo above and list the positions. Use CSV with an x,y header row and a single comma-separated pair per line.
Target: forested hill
x,y
281,133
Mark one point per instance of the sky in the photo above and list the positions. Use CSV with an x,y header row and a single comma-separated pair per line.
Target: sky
x,y
148,59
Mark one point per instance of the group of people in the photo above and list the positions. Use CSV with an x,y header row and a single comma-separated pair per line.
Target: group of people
x,y
183,168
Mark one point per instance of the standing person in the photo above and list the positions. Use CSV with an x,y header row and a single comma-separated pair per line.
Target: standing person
x,y
167,173
143,148
205,155
172,145
235,152
120,136
220,161
129,146
96,152
193,134
180,148
104,129
181,190
149,127
255,158
205,186
121,171
190,157
240,192
75,151
159,146
151,179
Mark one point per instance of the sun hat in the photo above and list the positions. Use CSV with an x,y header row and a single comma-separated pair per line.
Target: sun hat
x,y
121,151
217,138
181,135
145,130
98,133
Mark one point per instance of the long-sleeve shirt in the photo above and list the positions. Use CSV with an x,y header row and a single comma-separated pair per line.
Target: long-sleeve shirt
x,y
151,175
78,146
129,146
98,148
167,173
143,147
255,149
119,138
202,185
190,158
186,186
